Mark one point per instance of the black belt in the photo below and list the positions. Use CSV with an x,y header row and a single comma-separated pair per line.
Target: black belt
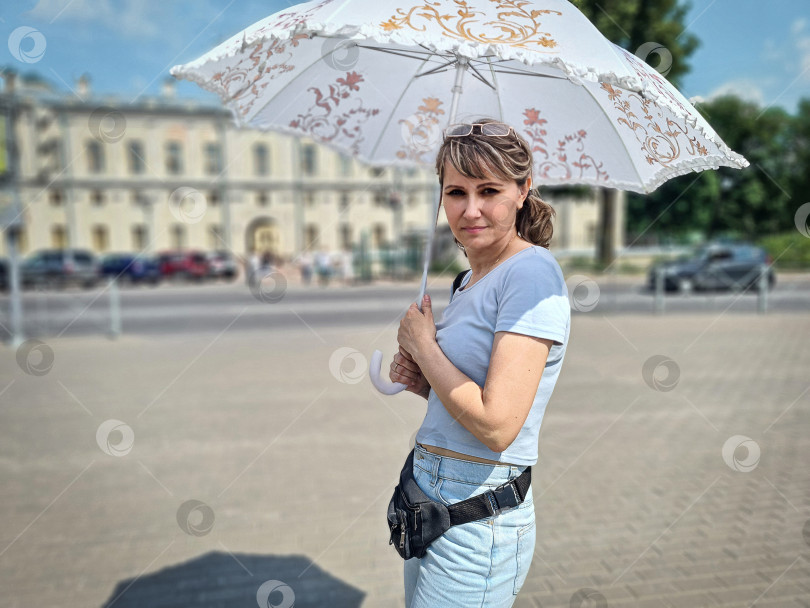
x,y
509,494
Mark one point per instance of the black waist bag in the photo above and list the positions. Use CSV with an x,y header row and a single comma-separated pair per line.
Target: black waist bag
x,y
415,520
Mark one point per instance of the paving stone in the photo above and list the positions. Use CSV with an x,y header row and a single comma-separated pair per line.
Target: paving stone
x,y
633,495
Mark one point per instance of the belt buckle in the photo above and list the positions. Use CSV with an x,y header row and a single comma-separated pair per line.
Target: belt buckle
x,y
506,496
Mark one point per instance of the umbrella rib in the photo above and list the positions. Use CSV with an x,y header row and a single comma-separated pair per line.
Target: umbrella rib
x,y
437,69
478,75
391,113
518,72
403,53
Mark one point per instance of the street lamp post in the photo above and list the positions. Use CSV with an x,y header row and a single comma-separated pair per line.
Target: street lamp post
x,y
11,216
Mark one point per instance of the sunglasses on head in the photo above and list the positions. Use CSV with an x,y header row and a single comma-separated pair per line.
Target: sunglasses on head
x,y
491,129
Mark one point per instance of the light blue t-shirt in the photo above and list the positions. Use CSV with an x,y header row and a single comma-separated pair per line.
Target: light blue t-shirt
x,y
525,294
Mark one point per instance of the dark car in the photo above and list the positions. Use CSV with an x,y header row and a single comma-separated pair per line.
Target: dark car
x,y
221,264
715,266
189,265
4,272
60,268
135,268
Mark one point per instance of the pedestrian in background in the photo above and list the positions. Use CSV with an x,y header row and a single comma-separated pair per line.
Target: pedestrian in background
x,y
305,267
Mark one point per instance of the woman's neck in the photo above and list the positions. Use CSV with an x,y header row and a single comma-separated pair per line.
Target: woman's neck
x,y
483,262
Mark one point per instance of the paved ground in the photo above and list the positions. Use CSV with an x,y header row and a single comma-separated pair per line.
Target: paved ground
x,y
291,457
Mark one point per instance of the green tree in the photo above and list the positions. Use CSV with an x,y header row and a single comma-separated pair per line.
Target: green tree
x,y
728,202
630,24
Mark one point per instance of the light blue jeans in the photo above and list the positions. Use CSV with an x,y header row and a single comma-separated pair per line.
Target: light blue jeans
x,y
480,564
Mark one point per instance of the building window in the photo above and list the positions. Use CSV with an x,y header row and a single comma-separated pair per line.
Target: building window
x,y
174,158
58,236
55,198
95,157
138,198
310,236
262,199
590,233
97,198
343,204
345,236
345,165
137,164
379,236
309,159
309,199
178,236
412,200
213,158
54,149
139,242
213,198
379,199
376,171
22,241
261,160
101,238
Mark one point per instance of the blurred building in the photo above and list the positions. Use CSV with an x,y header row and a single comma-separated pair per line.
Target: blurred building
x,y
163,173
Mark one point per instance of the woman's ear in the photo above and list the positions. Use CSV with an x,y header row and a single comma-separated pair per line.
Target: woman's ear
x,y
524,192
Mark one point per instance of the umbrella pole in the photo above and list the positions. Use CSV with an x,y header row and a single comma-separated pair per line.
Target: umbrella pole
x,y
384,385
461,67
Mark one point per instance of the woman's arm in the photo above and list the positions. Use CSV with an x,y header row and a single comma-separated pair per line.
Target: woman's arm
x,y
496,413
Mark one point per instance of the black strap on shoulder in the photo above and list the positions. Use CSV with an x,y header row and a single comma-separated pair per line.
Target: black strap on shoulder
x,y
491,502
457,280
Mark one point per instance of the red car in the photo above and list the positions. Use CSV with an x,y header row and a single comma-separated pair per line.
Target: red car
x,y
189,265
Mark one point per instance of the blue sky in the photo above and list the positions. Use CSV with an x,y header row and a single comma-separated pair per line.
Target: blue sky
x,y
759,50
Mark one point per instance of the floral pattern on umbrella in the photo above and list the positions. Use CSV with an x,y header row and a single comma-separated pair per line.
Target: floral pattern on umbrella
x,y
647,74
661,145
555,164
319,120
284,21
242,80
518,26
421,131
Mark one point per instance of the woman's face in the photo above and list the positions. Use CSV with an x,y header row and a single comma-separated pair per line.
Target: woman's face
x,y
481,212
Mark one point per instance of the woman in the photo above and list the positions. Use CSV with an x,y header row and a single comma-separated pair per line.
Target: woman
x,y
487,368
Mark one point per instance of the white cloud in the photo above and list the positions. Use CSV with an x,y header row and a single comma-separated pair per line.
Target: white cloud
x,y
744,88
132,18
799,47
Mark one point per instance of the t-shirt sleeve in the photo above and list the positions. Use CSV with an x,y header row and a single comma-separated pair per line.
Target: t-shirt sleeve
x,y
533,300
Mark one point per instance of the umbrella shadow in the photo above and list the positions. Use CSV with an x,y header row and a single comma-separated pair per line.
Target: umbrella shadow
x,y
217,579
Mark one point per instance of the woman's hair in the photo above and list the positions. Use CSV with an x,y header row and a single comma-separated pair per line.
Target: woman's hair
x,y
509,157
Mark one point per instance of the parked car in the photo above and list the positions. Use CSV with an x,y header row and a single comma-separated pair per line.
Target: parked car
x,y
135,268
715,266
221,264
60,268
189,265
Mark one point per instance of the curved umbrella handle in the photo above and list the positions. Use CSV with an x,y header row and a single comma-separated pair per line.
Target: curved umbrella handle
x,y
386,387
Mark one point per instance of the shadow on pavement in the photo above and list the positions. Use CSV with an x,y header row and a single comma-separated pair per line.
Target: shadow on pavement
x,y
217,579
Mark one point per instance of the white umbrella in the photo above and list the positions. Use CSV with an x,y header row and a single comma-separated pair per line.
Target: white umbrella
x,y
381,80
